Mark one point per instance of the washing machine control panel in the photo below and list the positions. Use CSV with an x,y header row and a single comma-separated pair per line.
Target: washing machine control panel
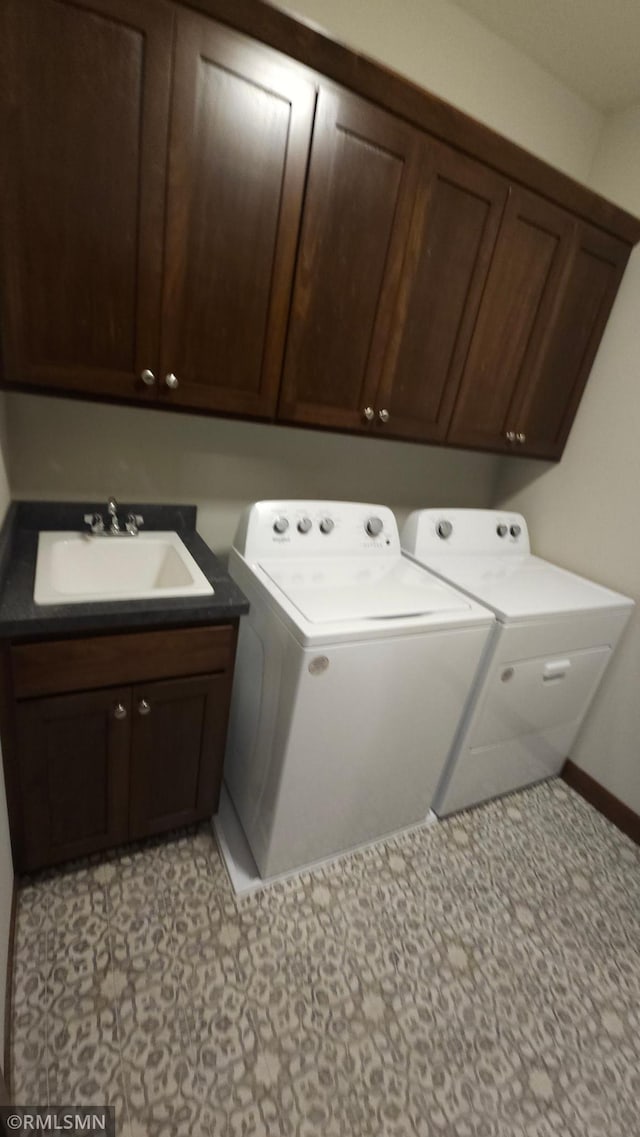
x,y
428,533
307,528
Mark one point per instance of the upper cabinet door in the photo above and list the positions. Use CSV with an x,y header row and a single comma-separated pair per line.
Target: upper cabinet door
x,y
361,188
458,210
531,256
84,96
241,123
555,375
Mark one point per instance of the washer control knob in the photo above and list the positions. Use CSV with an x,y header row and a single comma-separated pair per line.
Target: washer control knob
x,y
280,525
444,529
502,530
326,525
374,526
515,530
304,525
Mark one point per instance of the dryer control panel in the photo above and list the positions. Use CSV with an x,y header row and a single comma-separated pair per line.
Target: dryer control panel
x,y
314,528
429,533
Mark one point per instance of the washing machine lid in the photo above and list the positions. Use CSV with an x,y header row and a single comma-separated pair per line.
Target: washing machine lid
x,y
332,590
518,587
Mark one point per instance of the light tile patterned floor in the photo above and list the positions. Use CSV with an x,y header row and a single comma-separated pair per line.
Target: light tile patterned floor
x,y
477,979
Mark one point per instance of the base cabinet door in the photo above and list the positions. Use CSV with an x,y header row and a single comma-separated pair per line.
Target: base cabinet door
x,y
74,773
177,751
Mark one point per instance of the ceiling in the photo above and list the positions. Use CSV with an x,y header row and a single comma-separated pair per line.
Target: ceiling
x,y
592,46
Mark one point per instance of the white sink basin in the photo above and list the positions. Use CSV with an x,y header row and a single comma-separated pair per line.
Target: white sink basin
x,y
74,568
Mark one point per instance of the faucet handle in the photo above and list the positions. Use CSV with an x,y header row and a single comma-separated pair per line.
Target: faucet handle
x,y
95,522
133,523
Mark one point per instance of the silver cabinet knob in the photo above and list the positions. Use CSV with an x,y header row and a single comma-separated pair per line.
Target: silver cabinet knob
x,y
119,711
369,413
383,416
171,381
148,378
520,437
510,436
143,707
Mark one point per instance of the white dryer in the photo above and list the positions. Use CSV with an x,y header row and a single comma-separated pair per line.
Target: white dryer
x,y
554,637
352,671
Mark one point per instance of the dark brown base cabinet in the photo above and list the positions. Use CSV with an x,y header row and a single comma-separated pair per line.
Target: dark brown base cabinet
x,y
223,211
89,769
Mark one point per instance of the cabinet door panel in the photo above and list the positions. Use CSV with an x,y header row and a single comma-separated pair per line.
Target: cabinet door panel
x,y
240,136
555,376
453,233
531,253
73,757
177,751
363,172
84,103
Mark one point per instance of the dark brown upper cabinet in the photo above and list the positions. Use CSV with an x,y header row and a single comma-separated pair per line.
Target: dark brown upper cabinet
x,y
528,269
99,298
185,222
84,104
396,242
549,293
241,121
362,181
458,209
556,371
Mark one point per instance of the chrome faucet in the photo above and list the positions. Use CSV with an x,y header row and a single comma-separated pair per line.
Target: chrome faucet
x,y
112,510
95,521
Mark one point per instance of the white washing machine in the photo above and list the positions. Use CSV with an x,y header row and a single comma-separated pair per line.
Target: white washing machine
x,y
352,671
554,637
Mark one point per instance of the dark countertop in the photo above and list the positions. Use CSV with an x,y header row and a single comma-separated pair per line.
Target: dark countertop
x,y
22,618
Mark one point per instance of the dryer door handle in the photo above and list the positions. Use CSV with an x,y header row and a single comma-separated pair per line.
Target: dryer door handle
x,y
555,669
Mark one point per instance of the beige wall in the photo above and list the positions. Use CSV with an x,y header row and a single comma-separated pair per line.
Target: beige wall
x,y
450,53
584,513
64,449
6,863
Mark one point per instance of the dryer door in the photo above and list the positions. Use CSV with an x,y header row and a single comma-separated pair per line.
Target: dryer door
x,y
524,726
539,694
